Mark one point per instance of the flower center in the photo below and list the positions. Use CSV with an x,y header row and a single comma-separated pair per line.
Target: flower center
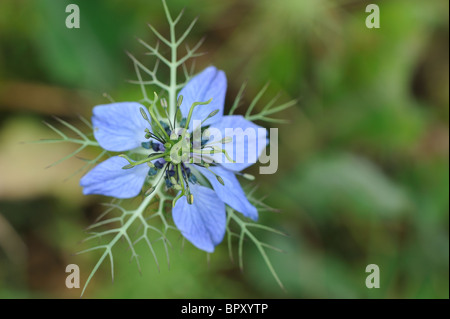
x,y
173,148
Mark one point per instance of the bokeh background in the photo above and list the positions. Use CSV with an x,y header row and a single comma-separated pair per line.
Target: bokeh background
x,y
363,172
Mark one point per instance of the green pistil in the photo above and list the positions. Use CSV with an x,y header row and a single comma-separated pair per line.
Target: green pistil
x,y
188,120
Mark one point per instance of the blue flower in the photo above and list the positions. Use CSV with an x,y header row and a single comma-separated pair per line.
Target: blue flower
x,y
120,127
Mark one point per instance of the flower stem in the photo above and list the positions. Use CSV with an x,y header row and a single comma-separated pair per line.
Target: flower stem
x,y
173,65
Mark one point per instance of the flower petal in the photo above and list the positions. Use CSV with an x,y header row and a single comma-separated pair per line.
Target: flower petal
x,y
210,83
109,179
249,140
119,126
231,193
204,222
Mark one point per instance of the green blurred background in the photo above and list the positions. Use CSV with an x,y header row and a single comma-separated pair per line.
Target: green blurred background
x,y
363,162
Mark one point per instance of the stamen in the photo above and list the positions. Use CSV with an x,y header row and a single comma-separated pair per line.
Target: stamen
x,y
180,177
144,115
192,178
151,157
159,165
211,115
155,147
186,179
149,134
164,103
219,179
179,102
184,185
173,180
127,158
152,189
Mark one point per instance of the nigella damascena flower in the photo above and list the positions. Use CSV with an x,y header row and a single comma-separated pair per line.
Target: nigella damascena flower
x,y
205,176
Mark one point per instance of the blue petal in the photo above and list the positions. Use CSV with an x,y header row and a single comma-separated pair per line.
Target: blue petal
x,y
231,193
210,83
119,126
245,148
109,179
204,222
